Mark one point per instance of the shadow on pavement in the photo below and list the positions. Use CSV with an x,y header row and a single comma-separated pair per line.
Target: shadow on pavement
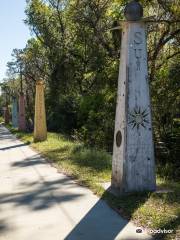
x,y
14,146
103,223
39,195
5,134
97,225
3,226
28,162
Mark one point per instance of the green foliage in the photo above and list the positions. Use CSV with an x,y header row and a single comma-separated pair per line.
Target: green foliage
x,y
166,108
95,123
77,55
63,117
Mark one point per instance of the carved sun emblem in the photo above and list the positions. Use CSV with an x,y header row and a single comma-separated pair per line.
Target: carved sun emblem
x,y
138,118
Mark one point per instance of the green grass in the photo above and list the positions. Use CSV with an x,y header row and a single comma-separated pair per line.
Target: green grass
x,y
92,167
1,119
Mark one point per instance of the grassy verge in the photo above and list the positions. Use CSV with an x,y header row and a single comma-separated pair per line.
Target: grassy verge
x,y
91,168
1,119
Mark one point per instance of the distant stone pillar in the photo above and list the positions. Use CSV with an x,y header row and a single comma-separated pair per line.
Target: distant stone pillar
x,y
22,117
14,113
6,114
133,167
40,128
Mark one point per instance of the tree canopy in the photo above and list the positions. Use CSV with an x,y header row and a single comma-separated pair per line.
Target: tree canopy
x,y
77,54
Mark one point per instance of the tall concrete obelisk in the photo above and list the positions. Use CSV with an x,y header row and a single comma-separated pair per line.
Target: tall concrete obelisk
x,y
22,111
14,113
40,128
22,117
6,114
133,167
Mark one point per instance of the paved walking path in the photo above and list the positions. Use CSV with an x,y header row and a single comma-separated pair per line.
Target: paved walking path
x,y
38,203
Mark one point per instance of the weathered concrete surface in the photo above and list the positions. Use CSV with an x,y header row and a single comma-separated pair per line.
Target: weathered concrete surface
x,y
133,167
40,128
14,113
6,114
22,117
37,202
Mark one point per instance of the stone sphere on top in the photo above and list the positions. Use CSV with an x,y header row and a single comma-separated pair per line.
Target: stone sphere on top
x,y
133,11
